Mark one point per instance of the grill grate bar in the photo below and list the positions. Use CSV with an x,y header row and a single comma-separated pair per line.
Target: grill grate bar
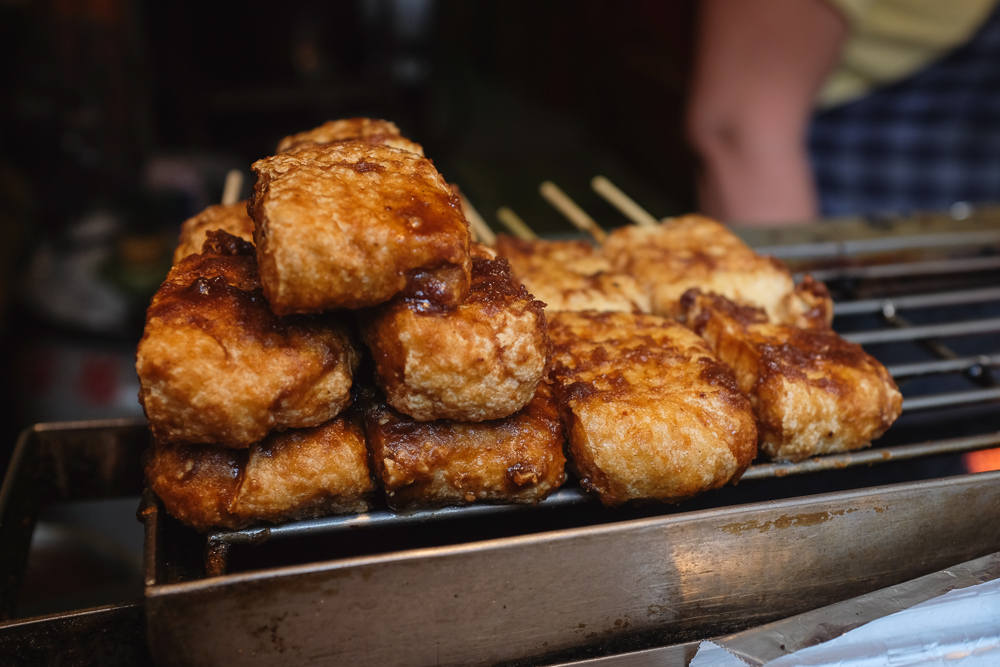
x,y
575,496
835,249
872,456
974,365
869,306
988,325
951,400
561,498
908,269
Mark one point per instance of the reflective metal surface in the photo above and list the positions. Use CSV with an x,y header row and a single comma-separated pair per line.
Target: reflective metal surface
x,y
666,579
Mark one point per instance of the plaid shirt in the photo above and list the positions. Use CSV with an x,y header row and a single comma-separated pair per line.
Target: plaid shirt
x,y
924,143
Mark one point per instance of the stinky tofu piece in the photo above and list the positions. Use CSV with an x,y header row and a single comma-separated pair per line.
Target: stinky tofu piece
x,y
295,474
516,459
232,218
352,224
571,275
812,392
372,130
479,360
694,251
650,412
215,365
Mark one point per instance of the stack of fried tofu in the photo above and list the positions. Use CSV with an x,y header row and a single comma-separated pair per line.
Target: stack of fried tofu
x,y
250,361
339,336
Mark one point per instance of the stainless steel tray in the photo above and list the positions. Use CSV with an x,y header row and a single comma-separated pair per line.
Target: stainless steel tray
x,y
605,588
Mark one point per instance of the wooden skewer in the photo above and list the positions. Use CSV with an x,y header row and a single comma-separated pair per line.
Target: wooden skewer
x,y
614,196
574,213
480,230
515,225
234,184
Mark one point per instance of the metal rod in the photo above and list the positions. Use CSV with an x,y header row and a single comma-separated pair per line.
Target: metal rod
x,y
833,249
872,456
949,400
901,270
903,371
988,325
575,496
867,306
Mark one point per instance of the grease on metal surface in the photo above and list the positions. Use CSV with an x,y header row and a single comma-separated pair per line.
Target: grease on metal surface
x,y
784,521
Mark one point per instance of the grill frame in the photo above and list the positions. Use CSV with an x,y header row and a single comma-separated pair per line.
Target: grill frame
x,y
907,529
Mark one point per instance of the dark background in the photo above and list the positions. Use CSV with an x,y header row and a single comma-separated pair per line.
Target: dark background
x,y
120,119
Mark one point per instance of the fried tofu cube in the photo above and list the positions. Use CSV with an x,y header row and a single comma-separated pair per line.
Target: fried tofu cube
x,y
352,224
296,474
516,459
812,392
650,412
571,275
694,251
231,218
215,365
480,360
371,130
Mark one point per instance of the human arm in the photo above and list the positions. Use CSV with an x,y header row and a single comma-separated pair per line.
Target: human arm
x,y
758,67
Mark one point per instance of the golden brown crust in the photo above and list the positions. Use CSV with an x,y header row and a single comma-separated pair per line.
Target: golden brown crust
x,y
517,459
482,359
372,130
693,251
812,391
809,306
650,413
215,365
297,474
230,218
571,276
197,483
351,224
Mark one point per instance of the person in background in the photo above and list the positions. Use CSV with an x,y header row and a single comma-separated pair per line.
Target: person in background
x,y
808,108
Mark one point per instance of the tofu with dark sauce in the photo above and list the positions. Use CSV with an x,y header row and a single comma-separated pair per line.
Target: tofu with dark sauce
x,y
812,391
651,414
217,366
296,474
693,251
481,359
571,275
352,224
516,459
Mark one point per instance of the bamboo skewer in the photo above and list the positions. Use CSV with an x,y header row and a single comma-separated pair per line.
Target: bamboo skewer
x,y
574,213
233,186
515,225
614,196
480,230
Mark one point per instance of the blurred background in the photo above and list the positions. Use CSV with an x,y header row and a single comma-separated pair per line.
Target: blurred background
x,y
121,119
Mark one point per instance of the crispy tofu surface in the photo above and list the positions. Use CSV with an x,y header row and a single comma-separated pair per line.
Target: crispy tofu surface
x,y
650,413
215,365
517,459
372,130
482,359
812,391
693,251
297,474
231,218
571,275
351,224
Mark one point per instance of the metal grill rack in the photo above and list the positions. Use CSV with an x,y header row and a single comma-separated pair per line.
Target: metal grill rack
x,y
920,358
568,578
